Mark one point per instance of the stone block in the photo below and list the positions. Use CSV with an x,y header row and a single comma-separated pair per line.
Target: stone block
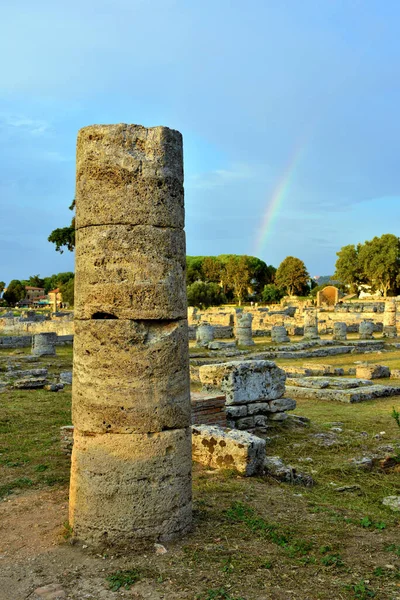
x,y
235,412
258,408
278,416
129,272
44,344
130,376
245,423
372,371
282,404
129,174
221,449
245,381
260,421
130,486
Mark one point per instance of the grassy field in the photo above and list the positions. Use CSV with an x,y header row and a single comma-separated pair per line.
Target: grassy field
x,y
253,538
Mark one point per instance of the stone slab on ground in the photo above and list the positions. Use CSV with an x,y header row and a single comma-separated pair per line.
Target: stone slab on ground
x,y
228,449
361,394
208,409
344,383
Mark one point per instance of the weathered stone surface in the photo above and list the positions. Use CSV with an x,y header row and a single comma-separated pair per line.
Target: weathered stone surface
x,y
67,438
204,335
371,371
130,272
130,486
208,409
282,404
278,416
328,382
29,383
275,467
66,377
245,382
237,411
54,387
349,396
279,334
366,330
339,331
392,502
129,174
243,331
130,376
395,373
44,344
389,319
221,449
245,423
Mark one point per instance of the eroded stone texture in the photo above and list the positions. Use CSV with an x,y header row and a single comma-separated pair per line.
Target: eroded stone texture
x,y
339,331
243,331
310,324
129,486
366,330
372,371
131,459
44,344
130,376
130,272
389,319
279,334
246,381
204,335
129,174
221,449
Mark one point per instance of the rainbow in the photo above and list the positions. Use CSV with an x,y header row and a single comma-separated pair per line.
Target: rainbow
x,y
278,196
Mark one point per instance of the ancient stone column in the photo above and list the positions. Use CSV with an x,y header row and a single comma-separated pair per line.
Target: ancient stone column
x,y
389,319
279,334
311,324
243,329
131,461
44,344
339,331
204,335
366,330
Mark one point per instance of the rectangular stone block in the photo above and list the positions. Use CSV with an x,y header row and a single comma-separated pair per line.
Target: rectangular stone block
x,y
245,423
258,408
221,449
130,486
282,404
235,412
129,174
244,382
130,272
130,376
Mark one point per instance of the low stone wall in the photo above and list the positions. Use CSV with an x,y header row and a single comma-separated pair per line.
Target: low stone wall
x,y
19,326
25,341
221,332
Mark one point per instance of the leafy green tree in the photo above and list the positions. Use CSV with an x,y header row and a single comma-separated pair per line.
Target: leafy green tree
x,y
348,268
2,286
203,295
271,293
64,236
67,291
380,262
292,276
236,275
193,269
15,292
212,269
56,280
35,281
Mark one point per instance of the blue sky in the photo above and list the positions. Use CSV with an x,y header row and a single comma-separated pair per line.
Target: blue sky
x,y
246,83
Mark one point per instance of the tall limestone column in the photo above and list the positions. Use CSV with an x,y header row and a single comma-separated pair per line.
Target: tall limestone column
x,y
131,462
389,319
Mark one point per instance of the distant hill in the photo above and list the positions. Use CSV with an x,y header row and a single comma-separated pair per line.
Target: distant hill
x,y
323,279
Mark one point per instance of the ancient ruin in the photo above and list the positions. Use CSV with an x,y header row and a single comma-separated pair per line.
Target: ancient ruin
x,y
310,324
131,461
279,334
366,330
204,335
340,331
44,344
243,332
389,319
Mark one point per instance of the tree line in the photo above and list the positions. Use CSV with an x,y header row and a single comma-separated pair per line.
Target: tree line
x,y
16,291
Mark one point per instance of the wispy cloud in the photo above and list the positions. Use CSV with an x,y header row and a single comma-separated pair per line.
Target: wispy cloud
x,y
220,177
34,127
